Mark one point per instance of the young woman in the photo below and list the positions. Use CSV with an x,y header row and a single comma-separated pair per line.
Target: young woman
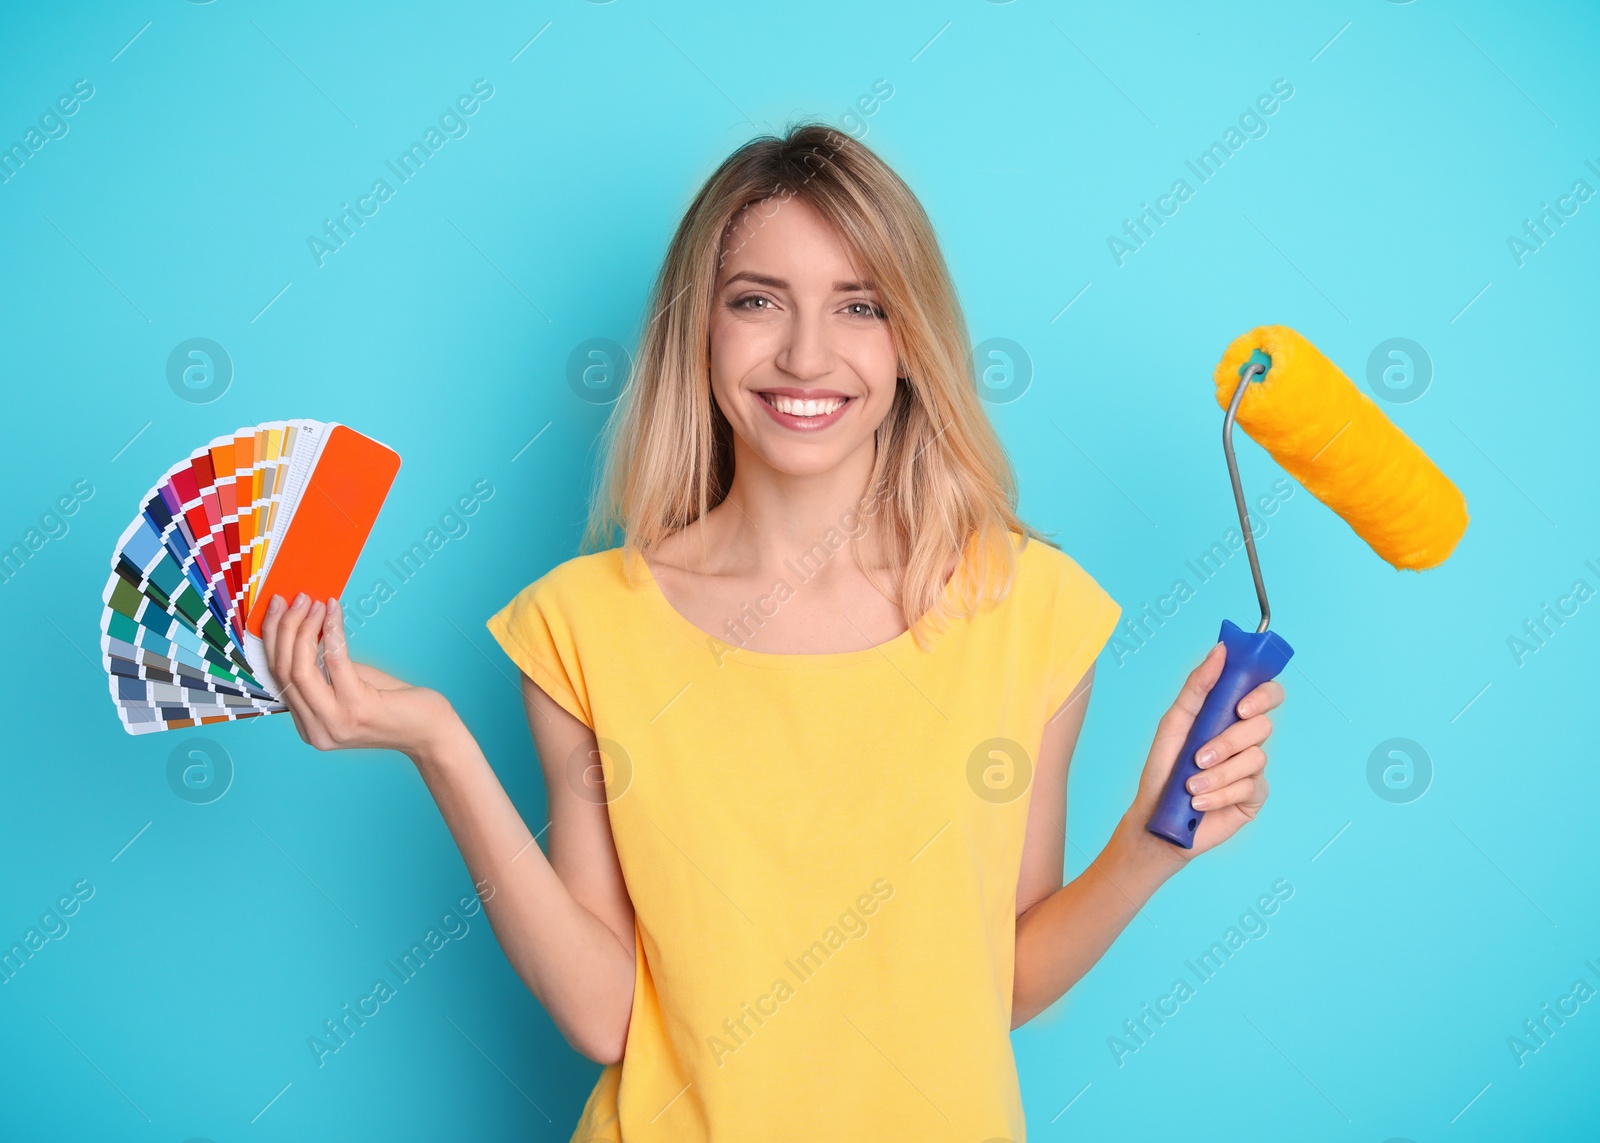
x,y
834,684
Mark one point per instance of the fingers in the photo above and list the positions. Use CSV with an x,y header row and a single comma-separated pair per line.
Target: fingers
x,y
1247,732
1265,697
1251,760
278,632
322,705
269,631
291,651
336,654
306,675
1248,794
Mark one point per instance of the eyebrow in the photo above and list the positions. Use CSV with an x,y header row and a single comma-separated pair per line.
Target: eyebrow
x,y
780,284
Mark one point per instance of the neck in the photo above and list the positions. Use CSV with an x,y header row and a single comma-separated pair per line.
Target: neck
x,y
770,517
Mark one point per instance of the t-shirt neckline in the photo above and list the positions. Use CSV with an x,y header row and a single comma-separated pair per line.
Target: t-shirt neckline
x,y
778,660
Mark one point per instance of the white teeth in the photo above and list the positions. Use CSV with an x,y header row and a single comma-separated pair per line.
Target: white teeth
x,y
818,408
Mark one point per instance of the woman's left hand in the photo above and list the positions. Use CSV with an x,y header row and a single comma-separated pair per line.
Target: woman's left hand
x,y
1231,786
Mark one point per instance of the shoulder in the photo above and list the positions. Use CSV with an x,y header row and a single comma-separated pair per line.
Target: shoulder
x,y
566,599
543,626
1062,591
1078,613
575,583
1053,572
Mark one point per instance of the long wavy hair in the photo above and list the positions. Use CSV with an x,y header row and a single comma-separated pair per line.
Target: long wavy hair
x,y
941,483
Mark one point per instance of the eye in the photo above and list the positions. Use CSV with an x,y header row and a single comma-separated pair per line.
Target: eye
x,y
865,309
745,302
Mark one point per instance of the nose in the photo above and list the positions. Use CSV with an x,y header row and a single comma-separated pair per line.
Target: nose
x,y
805,353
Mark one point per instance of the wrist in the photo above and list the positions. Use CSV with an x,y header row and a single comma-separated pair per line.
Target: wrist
x,y
1141,856
434,742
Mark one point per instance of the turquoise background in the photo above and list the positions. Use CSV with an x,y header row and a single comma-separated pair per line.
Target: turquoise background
x,y
1420,935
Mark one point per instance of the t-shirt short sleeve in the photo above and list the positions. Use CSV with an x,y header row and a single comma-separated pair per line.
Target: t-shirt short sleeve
x,y
1083,619
534,630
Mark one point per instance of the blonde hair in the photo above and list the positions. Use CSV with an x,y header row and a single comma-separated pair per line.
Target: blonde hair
x,y
941,483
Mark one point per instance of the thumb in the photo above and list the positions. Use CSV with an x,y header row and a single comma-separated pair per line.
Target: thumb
x,y
378,680
1201,680
1175,724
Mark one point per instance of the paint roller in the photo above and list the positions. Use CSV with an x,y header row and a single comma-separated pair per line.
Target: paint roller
x,y
1337,443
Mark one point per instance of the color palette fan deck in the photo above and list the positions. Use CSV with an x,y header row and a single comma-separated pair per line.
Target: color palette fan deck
x,y
276,509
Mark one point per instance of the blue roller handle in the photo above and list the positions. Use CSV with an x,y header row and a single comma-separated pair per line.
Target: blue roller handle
x,y
1252,659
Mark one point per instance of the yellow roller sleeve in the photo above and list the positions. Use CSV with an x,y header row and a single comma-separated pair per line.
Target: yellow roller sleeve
x,y
1335,441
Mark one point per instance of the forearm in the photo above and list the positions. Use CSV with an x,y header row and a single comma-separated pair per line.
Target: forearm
x,y
1062,937
576,966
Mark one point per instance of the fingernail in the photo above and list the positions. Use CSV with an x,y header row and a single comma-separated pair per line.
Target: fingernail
x,y
1202,803
301,598
1198,783
1205,757
1245,710
276,605
333,604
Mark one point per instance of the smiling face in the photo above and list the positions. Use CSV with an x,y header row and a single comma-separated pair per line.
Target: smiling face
x,y
802,361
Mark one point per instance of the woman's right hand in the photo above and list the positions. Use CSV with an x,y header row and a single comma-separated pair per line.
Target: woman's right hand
x,y
354,706
1231,787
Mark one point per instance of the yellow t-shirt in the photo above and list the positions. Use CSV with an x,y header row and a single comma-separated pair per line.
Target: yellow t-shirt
x,y
822,852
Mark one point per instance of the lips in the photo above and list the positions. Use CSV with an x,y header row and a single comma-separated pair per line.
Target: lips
x,y
804,410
